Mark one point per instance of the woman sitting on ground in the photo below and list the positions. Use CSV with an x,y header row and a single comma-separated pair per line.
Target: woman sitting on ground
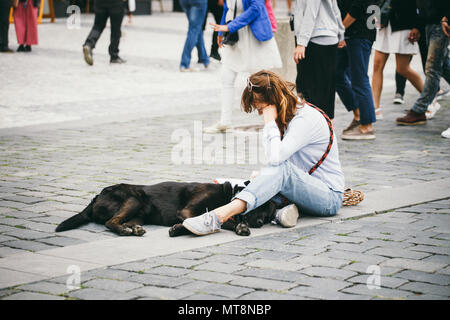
x,y
303,158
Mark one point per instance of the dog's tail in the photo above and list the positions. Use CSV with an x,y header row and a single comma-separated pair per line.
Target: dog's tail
x,y
77,220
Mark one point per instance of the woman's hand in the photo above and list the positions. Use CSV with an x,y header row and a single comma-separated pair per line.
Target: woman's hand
x,y
341,44
219,27
414,35
219,41
445,26
299,53
270,113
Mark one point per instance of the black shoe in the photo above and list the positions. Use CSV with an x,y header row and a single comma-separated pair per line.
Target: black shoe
x,y
21,48
6,50
87,51
27,49
117,60
215,55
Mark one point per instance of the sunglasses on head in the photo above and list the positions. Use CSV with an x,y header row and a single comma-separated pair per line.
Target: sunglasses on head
x,y
250,85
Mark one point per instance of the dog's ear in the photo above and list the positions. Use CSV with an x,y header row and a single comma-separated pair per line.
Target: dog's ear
x,y
227,189
246,183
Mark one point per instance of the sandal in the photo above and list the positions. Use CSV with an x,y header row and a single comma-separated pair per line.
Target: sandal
x,y
378,113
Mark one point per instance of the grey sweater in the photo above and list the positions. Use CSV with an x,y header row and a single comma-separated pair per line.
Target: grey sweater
x,y
320,19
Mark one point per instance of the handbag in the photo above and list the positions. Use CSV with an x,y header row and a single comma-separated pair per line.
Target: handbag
x,y
231,38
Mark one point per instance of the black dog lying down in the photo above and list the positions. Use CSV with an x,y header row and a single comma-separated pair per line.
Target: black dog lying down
x,y
124,208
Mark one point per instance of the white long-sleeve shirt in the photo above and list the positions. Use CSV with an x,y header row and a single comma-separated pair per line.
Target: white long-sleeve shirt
x,y
305,141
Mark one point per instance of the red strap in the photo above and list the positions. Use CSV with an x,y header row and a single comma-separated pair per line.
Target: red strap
x,y
330,126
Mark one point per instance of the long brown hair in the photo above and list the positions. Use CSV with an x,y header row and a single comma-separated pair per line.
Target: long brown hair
x,y
268,87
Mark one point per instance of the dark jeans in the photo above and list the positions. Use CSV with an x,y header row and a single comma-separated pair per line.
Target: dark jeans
x,y
437,66
400,81
217,11
316,79
352,80
4,23
103,11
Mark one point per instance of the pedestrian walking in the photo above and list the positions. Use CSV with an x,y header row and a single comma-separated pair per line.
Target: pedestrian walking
x,y
104,9
25,22
352,80
303,158
216,9
434,15
398,37
195,11
318,30
256,49
5,8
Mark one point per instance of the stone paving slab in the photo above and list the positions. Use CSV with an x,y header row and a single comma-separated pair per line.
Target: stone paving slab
x,y
181,276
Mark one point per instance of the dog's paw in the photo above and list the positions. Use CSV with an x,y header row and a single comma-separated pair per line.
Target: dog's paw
x,y
242,229
177,230
125,231
138,230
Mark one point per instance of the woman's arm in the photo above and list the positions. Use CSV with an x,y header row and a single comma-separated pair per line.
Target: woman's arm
x,y
278,150
247,17
308,22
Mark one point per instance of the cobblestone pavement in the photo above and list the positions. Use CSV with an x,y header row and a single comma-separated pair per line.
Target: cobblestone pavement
x,y
123,125
408,248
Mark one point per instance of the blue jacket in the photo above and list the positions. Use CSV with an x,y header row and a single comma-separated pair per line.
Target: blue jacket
x,y
255,15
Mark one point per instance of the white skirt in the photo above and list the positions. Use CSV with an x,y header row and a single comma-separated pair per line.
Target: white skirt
x,y
394,42
249,54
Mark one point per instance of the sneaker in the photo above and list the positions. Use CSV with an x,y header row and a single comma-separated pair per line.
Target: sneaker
x,y
218,128
204,224
27,49
117,60
357,134
215,55
432,109
412,119
378,114
398,99
446,133
6,50
287,216
352,125
442,94
21,48
87,52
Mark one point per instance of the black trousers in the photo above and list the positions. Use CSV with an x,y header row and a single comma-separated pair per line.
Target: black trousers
x,y
316,76
4,22
400,81
105,9
217,11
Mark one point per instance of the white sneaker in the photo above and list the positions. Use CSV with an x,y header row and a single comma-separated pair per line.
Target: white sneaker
x,y
398,99
217,128
446,133
432,109
287,216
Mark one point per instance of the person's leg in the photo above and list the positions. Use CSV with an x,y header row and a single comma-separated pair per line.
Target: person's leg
x,y
309,194
217,12
379,63
228,80
32,25
4,24
101,16
404,68
195,16
116,17
20,23
200,10
359,55
343,83
317,77
437,55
